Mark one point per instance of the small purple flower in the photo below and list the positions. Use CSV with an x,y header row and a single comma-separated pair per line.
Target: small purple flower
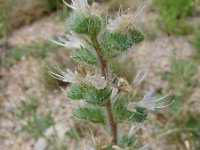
x,y
123,21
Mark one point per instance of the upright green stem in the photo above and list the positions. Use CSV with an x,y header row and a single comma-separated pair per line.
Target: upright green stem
x,y
104,71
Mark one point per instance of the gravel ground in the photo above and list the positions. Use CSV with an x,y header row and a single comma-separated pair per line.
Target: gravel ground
x,y
37,31
156,56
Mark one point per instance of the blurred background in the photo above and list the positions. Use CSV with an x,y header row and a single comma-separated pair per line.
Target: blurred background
x,y
32,106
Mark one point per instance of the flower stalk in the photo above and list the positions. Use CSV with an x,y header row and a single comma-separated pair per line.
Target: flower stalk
x,y
104,72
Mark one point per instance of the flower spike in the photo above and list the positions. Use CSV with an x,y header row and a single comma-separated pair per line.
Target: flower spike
x,y
150,103
123,21
140,76
82,6
69,41
69,76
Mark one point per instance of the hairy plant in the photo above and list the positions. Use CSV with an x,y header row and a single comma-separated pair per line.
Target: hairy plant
x,y
102,96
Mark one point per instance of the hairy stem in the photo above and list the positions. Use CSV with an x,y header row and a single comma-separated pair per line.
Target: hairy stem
x,y
104,71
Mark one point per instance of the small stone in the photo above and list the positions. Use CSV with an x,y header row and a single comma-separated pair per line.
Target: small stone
x,y
58,129
41,144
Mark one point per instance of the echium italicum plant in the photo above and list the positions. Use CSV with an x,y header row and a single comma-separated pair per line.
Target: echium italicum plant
x,y
103,97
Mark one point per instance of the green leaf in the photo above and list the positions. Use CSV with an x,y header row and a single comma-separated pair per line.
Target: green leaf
x,y
84,55
88,93
123,114
114,43
96,97
81,24
90,114
76,91
78,23
136,36
94,26
139,115
120,110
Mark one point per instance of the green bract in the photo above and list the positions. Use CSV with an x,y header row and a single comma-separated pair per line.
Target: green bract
x,y
85,25
94,115
84,55
139,115
123,114
76,91
136,37
88,94
119,41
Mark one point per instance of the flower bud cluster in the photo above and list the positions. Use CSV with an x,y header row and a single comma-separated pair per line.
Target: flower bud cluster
x,y
85,19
